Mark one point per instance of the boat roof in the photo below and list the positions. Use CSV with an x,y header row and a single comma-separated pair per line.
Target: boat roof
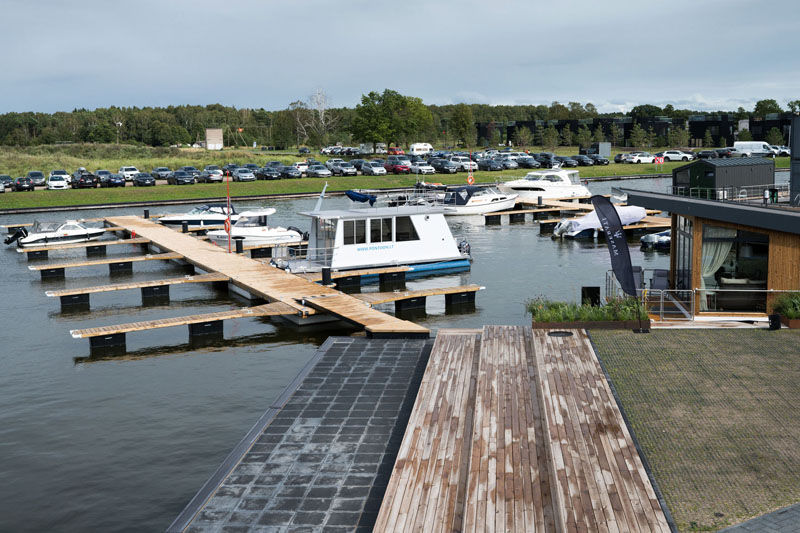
x,y
375,212
258,212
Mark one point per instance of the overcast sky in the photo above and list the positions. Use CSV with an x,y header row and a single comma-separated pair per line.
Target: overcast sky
x,y
700,54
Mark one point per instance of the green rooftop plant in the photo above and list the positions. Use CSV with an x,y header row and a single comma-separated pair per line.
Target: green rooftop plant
x,y
616,310
788,305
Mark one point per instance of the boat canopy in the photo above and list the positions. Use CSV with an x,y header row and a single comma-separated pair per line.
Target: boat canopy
x,y
361,197
628,214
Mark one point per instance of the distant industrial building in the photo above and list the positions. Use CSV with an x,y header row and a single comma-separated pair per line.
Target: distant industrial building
x,y
214,139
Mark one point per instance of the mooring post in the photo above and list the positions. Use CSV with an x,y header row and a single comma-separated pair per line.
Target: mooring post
x,y
239,244
185,226
326,276
146,213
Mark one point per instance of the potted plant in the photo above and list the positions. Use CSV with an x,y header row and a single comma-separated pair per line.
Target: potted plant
x,y
621,313
788,306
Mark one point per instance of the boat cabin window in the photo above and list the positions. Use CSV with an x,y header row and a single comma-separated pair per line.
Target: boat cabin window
x,y
69,227
251,222
380,230
404,230
355,231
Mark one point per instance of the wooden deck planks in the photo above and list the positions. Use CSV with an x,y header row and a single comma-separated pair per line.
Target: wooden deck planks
x,y
200,278
107,261
87,244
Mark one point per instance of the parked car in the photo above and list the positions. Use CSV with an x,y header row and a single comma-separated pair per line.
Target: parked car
x,y
343,168
619,158
422,167
528,162
673,155
7,181
373,168
228,169
395,150
210,176
84,180
37,177
357,163
565,161
160,173
489,164
62,173
209,168
142,179
397,167
463,163
598,159
507,162
640,157
290,172
251,166
583,160
707,154
318,171
784,151
330,162
726,152
304,150
128,172
268,173
180,177
444,166
546,159
243,174
115,180
102,175
57,183
23,184
194,172
302,166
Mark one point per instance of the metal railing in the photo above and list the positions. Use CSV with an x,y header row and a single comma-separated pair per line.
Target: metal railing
x,y
766,194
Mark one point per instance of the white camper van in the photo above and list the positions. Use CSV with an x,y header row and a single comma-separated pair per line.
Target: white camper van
x,y
753,149
420,149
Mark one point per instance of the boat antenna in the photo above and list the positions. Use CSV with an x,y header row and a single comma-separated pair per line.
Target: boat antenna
x,y
321,197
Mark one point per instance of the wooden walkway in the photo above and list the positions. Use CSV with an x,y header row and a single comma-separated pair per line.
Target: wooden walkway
x,y
516,430
107,261
200,278
87,244
265,281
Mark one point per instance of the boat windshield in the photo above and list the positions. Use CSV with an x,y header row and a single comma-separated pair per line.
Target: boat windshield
x,y
45,227
198,210
251,222
574,178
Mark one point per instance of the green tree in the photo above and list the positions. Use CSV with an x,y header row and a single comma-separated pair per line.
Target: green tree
x,y
598,136
557,111
638,136
678,137
550,138
584,137
370,124
708,140
765,107
793,105
523,137
645,111
591,110
745,135
462,123
651,137
775,137
540,135
615,134
566,136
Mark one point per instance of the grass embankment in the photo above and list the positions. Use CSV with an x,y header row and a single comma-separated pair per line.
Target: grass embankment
x,y
715,412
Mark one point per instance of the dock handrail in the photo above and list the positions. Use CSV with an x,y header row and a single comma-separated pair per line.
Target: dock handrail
x,y
767,193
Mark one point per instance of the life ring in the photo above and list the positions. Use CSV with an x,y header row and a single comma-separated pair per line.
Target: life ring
x,y
227,225
470,179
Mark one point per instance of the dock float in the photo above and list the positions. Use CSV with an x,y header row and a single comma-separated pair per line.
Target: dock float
x,y
92,247
415,299
115,264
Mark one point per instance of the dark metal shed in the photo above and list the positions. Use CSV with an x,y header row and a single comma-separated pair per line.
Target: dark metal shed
x,y
710,174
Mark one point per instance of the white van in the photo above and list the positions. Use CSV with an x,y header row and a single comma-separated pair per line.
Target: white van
x,y
420,149
753,149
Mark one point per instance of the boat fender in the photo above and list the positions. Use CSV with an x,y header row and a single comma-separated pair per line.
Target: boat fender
x,y
21,233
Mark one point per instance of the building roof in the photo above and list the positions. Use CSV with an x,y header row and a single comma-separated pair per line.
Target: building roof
x,y
786,220
728,162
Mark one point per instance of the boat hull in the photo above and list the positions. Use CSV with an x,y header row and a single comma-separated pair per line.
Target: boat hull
x,y
177,221
528,195
220,238
42,239
482,208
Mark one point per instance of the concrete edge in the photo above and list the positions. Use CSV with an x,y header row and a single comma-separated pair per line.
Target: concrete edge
x,y
661,501
235,456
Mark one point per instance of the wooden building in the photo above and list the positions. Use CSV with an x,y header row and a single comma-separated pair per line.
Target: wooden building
x,y
716,179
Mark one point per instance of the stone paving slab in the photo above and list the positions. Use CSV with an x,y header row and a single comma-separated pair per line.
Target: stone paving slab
x,y
323,463
786,520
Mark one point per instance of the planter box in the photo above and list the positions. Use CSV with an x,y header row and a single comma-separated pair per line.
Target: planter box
x,y
608,324
791,323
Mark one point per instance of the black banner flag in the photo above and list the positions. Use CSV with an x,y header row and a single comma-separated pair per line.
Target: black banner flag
x,y
617,244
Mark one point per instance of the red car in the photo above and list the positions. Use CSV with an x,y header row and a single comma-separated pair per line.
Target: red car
x,y
395,150
396,168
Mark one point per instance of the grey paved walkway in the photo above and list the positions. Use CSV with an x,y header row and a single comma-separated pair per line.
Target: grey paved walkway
x,y
786,520
323,463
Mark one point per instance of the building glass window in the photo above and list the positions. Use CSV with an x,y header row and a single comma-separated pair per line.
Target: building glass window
x,y
683,254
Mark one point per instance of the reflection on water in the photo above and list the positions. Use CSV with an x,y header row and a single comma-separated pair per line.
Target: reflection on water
x,y
140,433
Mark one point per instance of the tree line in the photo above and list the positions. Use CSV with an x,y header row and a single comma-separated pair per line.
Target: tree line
x,y
386,117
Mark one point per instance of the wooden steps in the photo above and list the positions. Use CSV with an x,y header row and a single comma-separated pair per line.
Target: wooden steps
x,y
273,309
107,261
200,278
87,244
517,430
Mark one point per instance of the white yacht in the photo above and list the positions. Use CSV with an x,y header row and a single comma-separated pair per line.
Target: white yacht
x,y
470,200
252,225
203,215
373,237
547,184
43,233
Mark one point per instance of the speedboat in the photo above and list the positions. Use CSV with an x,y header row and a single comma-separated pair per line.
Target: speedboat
x,y
374,237
203,215
252,225
471,200
588,226
656,241
547,184
43,233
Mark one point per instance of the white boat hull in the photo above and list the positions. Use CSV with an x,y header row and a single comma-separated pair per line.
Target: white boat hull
x,y
480,208
42,239
529,195
255,237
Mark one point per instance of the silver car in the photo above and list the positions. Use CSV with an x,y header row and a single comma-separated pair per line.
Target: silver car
x,y
243,174
373,168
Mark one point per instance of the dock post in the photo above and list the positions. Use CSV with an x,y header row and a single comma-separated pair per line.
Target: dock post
x,y
107,344
409,304
41,254
492,219
459,298
539,202
124,267
184,227
155,295
239,244
260,253
326,276
99,249
52,273
74,302
146,214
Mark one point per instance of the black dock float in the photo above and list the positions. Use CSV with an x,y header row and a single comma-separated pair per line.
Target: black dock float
x,y
113,344
321,456
124,267
391,278
492,219
459,298
73,301
203,329
40,254
260,253
99,249
348,281
159,291
410,303
516,217
52,273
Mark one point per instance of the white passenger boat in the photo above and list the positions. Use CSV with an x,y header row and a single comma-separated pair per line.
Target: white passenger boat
x,y
547,184
43,233
469,200
253,227
373,237
203,215
588,225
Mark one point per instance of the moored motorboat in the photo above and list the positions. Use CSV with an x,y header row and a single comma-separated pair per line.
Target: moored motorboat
x,y
202,215
546,184
43,233
657,241
253,228
589,225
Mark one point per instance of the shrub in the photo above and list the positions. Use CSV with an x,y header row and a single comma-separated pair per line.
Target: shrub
x,y
617,310
788,305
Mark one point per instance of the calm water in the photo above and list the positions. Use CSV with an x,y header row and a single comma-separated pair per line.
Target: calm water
x,y
122,444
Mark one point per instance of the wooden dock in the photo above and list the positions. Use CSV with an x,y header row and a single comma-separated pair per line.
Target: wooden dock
x,y
106,261
79,245
200,278
517,430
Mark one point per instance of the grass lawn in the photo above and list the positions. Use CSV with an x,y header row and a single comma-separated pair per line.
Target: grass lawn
x,y
716,413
